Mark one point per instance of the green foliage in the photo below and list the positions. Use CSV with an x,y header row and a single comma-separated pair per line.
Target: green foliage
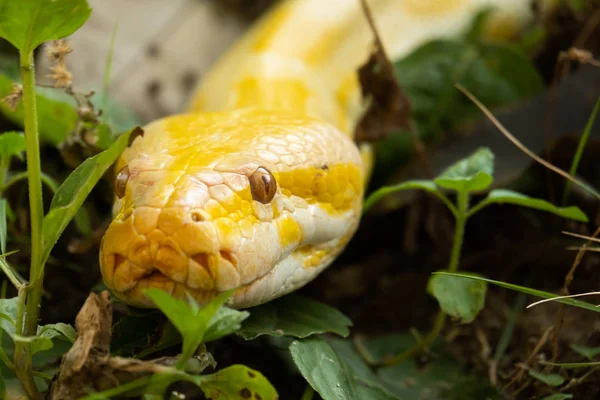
x,y
74,190
331,376
458,297
225,322
443,378
295,316
498,74
236,382
46,334
474,173
526,290
29,23
548,379
471,174
12,144
194,322
503,196
558,396
588,352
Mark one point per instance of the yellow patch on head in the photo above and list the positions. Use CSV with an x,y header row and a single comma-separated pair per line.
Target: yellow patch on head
x,y
289,231
336,187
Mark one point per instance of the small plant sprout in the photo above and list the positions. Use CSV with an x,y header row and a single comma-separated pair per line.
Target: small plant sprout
x,y
463,300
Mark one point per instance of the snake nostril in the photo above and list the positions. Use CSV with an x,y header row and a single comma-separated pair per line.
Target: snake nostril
x,y
119,259
226,255
201,259
197,216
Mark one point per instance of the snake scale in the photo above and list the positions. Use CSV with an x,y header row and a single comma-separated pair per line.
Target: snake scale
x,y
258,187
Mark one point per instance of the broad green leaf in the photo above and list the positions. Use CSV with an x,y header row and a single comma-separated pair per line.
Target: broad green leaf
x,y
558,396
323,369
473,173
12,144
29,23
236,382
587,352
443,378
3,231
8,315
189,319
503,196
225,322
495,73
46,334
74,190
526,290
335,372
420,184
548,379
295,316
458,297
59,330
369,385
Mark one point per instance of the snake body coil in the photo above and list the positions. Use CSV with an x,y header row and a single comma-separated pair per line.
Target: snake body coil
x,y
259,187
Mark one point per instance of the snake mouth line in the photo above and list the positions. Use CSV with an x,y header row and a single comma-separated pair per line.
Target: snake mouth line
x,y
154,275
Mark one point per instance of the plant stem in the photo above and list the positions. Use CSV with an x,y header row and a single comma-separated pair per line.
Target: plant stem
x,y
459,231
36,205
33,292
4,165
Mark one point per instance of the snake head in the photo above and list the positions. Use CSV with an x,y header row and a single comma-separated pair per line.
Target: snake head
x,y
261,211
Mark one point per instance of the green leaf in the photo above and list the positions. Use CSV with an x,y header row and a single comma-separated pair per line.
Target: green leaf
x,y
74,190
29,23
558,396
526,290
45,335
473,173
503,196
419,184
458,297
189,319
323,369
587,352
548,379
331,375
295,316
236,382
8,315
444,378
12,144
225,322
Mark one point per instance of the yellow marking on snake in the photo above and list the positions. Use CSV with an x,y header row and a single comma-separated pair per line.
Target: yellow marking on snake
x,y
259,186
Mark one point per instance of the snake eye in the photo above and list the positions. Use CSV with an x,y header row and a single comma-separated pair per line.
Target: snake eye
x,y
121,182
263,185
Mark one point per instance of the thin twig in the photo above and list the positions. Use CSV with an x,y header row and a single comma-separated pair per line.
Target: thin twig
x,y
521,146
385,63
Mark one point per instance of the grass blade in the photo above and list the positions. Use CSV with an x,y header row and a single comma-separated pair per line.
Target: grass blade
x,y
526,290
